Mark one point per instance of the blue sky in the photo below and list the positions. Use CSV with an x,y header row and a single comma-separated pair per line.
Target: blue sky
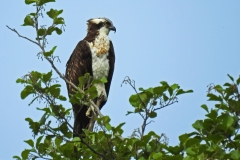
x,y
192,43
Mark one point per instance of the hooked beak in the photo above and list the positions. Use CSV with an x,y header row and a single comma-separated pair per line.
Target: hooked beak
x,y
112,28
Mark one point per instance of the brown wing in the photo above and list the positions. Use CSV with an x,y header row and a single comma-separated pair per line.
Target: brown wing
x,y
111,58
78,64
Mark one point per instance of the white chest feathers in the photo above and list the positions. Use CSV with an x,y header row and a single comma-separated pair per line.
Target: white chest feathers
x,y
100,63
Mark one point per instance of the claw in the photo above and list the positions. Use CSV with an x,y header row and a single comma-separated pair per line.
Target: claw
x,y
88,113
102,97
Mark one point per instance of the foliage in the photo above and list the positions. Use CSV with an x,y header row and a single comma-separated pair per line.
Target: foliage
x,y
215,137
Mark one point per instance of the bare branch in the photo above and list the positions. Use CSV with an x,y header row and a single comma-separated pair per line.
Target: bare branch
x,y
132,84
14,30
168,104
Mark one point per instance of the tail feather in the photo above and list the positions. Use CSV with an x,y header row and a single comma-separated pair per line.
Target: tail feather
x,y
81,121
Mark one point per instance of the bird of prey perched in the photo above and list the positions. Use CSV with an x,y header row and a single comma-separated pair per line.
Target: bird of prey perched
x,y
94,55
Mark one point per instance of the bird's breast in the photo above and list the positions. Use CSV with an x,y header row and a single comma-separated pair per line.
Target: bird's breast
x,y
100,45
100,63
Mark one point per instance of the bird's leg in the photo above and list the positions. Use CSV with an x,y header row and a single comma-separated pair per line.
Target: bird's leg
x,y
90,108
88,113
100,99
91,124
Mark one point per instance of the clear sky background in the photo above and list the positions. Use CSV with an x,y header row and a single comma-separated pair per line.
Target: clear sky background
x,y
192,43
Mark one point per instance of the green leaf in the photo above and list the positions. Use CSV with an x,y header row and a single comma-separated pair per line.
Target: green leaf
x,y
164,83
134,100
33,125
58,31
198,125
174,86
238,80
32,14
30,1
165,98
63,128
59,20
50,30
213,114
230,77
25,154
92,91
158,90
237,137
41,32
223,107
118,130
103,79
227,84
192,141
153,114
50,52
38,141
76,98
218,88
174,150
17,157
55,90
213,97
227,120
108,126
42,2
157,155
47,77
183,138
53,13
58,141
67,149
129,112
28,21
27,91
30,142
190,152
180,91
44,118
20,80
235,154
204,106
170,91
62,98
47,110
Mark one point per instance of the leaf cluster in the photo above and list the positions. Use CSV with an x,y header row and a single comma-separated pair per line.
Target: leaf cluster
x,y
216,136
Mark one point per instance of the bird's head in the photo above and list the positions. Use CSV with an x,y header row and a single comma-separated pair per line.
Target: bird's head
x,y
100,25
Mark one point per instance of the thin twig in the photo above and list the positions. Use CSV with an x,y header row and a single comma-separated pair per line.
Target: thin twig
x,y
14,30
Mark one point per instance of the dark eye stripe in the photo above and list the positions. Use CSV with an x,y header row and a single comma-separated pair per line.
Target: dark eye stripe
x,y
107,23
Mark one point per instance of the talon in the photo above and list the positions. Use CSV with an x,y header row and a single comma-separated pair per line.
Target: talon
x,y
88,112
102,97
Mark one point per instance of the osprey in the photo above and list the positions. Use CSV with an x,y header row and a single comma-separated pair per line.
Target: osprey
x,y
94,55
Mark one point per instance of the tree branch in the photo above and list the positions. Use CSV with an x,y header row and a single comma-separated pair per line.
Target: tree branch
x,y
14,30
